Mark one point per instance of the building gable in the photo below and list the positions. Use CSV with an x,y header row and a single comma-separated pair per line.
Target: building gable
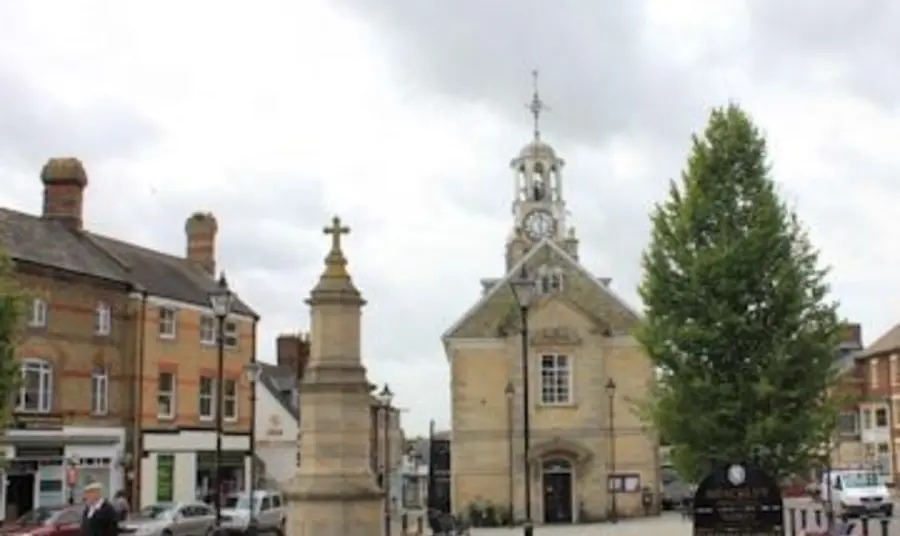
x,y
491,316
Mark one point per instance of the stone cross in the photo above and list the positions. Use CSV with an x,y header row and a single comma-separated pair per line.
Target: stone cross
x,y
336,230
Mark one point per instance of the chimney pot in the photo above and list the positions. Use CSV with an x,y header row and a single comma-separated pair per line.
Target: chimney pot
x,y
64,183
201,229
293,352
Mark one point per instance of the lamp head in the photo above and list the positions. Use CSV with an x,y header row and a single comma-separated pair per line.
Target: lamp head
x,y
221,299
611,387
523,288
386,396
252,371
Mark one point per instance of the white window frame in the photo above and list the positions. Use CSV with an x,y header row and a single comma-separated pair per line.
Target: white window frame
x,y
208,330
99,391
102,319
856,424
44,370
232,399
550,280
204,397
873,371
881,410
37,314
169,396
167,320
560,364
231,333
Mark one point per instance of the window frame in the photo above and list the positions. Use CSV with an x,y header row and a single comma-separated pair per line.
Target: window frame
x,y
230,333
102,319
172,322
209,397
230,398
881,412
44,369
38,313
211,320
171,395
554,372
842,416
99,391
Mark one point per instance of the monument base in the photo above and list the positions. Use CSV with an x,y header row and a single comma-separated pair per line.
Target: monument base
x,y
334,505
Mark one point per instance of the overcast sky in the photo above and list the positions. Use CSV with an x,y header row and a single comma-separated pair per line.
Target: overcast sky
x,y
401,116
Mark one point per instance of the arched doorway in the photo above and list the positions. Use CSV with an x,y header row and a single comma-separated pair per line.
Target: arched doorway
x,y
556,477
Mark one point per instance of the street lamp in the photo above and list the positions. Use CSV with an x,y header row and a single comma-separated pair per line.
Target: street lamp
x,y
523,289
613,481
221,300
252,372
386,397
510,392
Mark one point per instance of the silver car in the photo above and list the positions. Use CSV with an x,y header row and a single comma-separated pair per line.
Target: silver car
x,y
172,519
268,512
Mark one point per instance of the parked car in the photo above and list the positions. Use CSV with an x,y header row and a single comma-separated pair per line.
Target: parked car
x,y
172,519
268,511
675,491
856,492
64,520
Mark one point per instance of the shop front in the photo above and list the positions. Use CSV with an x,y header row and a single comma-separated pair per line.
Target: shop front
x,y
50,466
179,466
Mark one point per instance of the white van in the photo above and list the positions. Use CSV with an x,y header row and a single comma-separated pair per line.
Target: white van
x,y
856,492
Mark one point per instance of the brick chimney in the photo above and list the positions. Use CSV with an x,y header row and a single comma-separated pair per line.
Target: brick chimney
x,y
64,183
201,230
293,352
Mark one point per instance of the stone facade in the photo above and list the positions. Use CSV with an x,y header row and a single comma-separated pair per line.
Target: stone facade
x,y
585,438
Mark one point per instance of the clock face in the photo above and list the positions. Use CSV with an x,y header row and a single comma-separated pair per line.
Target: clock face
x,y
539,224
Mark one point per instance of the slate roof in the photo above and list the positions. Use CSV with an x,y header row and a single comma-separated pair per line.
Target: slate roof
x,y
278,381
888,342
47,242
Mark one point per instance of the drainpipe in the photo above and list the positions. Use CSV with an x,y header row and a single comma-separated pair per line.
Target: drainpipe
x,y
139,407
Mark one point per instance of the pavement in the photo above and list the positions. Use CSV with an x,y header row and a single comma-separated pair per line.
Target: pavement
x,y
673,524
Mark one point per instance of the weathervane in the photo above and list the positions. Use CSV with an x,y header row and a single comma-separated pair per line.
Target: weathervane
x,y
536,106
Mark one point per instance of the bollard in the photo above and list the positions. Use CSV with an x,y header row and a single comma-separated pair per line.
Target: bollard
x,y
803,519
404,524
792,524
420,526
818,514
864,522
885,526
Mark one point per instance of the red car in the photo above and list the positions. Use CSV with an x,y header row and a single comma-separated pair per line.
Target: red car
x,y
62,520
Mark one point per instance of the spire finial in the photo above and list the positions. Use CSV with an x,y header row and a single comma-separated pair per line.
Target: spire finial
x,y
536,106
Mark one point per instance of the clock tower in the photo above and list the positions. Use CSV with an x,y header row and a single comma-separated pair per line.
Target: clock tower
x,y
539,211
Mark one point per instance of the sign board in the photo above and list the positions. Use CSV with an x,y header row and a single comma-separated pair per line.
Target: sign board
x,y
738,499
274,427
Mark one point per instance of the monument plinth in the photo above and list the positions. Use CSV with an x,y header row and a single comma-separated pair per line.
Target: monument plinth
x,y
334,492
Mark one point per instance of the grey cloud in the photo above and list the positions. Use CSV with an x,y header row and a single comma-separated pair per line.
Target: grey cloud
x,y
598,77
859,42
34,126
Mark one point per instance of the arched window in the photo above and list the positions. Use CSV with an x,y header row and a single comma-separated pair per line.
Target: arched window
x,y
102,319
99,391
36,392
550,280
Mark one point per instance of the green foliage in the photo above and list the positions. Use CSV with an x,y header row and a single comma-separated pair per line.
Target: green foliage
x,y
737,317
11,315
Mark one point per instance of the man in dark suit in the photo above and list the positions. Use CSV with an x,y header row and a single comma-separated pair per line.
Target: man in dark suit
x,y
100,517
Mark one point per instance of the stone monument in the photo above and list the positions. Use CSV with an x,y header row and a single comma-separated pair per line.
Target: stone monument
x,y
334,491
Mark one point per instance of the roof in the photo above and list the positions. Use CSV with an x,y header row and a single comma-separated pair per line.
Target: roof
x,y
165,275
48,242
888,342
502,284
278,380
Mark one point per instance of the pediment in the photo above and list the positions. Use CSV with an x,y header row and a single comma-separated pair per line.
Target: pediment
x,y
497,313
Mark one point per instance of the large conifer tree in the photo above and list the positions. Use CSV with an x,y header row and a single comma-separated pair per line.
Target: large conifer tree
x,y
737,317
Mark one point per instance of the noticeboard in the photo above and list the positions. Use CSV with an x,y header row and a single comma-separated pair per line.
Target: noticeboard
x,y
738,499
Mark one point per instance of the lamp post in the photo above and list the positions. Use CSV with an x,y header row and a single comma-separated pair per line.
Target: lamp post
x,y
251,372
221,300
510,391
386,397
613,482
523,289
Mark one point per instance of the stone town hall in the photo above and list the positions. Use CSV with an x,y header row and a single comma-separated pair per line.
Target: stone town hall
x,y
579,340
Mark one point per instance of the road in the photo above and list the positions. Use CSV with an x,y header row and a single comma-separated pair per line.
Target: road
x,y
672,524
